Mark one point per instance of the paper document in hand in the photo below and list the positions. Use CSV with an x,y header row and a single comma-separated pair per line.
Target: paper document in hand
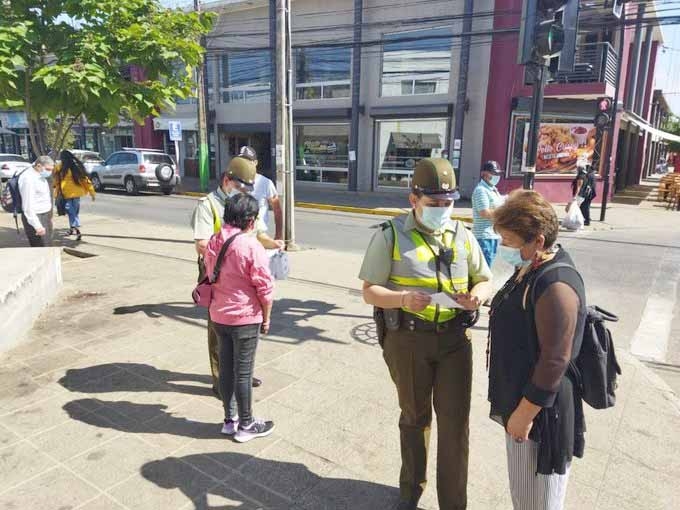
x,y
444,300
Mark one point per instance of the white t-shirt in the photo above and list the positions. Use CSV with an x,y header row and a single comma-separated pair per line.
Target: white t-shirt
x,y
263,191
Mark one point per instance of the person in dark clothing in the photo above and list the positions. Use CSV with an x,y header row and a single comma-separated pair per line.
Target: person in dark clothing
x,y
536,328
583,190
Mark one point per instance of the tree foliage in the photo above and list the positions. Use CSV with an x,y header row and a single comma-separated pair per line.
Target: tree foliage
x,y
672,125
60,59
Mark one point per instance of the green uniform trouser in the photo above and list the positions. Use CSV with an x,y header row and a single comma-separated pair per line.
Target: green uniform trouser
x,y
432,368
213,341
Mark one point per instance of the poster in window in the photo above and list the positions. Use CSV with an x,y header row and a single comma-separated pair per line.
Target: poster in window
x,y
561,146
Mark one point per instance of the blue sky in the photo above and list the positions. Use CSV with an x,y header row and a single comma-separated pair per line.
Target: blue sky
x,y
667,75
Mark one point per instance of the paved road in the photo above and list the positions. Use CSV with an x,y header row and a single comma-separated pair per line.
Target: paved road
x,y
632,270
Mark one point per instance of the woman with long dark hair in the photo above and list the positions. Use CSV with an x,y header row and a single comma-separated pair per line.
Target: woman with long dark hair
x,y
71,183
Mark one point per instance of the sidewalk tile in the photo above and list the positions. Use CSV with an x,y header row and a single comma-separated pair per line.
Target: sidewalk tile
x,y
38,417
55,489
274,382
44,363
103,502
7,437
287,469
250,492
72,438
166,483
23,393
344,489
307,396
113,462
21,461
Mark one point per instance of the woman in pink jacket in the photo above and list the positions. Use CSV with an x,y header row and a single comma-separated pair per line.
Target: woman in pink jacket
x,y
241,308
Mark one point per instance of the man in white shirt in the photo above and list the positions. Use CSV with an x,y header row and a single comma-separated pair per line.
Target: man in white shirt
x,y
266,195
36,201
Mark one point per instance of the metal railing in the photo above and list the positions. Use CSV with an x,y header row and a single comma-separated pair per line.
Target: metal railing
x,y
593,63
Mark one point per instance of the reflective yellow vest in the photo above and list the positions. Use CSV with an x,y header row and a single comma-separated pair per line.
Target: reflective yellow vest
x,y
414,266
217,221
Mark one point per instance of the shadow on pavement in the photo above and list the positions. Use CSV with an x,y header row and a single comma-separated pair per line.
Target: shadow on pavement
x,y
155,239
95,379
293,485
288,317
128,417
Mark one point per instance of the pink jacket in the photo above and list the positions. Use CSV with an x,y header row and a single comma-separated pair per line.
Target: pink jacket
x,y
244,283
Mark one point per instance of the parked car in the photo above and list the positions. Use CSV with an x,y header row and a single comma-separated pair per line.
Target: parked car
x,y
10,164
136,169
90,159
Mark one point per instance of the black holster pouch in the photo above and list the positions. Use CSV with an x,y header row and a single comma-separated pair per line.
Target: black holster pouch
x,y
386,320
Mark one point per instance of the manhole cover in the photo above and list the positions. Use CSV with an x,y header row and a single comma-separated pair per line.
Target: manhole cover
x,y
365,333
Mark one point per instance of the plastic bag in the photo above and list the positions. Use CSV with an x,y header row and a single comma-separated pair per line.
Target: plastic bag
x,y
574,219
278,264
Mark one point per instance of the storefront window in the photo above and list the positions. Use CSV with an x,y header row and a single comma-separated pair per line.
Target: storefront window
x,y
562,144
402,143
245,77
322,153
322,73
416,62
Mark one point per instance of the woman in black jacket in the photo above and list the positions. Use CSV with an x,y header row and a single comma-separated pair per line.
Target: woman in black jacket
x,y
535,330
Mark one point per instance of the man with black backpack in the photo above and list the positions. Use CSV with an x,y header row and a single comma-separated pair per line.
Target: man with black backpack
x,y
32,199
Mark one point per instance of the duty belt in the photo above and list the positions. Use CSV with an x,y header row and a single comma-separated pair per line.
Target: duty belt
x,y
462,321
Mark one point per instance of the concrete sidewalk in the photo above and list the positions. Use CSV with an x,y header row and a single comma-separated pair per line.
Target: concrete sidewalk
x,y
108,406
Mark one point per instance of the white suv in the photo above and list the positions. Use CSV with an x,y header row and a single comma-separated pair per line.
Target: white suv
x,y
136,170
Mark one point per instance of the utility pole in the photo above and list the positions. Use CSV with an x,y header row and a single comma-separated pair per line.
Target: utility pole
x,y
203,150
289,222
285,152
539,70
541,38
461,96
353,155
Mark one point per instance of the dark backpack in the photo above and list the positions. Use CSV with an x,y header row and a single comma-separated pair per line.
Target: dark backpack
x,y
15,196
595,369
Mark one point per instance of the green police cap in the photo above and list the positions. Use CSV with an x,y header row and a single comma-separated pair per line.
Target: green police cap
x,y
435,177
243,171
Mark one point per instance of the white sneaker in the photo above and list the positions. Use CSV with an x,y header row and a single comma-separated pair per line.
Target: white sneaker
x,y
229,427
258,428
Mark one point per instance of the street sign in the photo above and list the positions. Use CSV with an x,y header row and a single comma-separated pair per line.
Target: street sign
x,y
175,129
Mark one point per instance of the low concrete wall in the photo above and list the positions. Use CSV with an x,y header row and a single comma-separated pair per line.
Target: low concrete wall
x,y
30,279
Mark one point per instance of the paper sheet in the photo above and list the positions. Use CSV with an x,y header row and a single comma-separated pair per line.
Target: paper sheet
x,y
444,300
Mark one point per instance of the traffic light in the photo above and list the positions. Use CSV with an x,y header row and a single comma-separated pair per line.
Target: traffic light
x,y
542,36
603,113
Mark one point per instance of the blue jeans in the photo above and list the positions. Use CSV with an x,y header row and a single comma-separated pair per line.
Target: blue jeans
x,y
72,206
489,249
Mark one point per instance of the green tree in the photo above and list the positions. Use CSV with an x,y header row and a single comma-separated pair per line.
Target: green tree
x,y
61,59
672,125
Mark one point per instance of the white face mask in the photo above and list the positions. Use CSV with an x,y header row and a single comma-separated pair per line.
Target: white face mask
x,y
495,180
435,218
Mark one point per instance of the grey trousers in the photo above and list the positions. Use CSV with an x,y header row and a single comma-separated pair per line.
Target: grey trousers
x,y
531,491
35,240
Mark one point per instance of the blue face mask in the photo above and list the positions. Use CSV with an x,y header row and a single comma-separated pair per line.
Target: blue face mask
x,y
512,256
45,174
435,218
495,180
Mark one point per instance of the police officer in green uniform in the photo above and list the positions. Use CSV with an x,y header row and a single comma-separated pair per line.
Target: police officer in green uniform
x,y
239,177
426,345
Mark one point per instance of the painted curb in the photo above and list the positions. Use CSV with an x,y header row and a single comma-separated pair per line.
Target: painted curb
x,y
378,211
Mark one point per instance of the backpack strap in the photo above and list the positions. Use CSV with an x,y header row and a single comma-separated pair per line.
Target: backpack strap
x,y
220,257
531,288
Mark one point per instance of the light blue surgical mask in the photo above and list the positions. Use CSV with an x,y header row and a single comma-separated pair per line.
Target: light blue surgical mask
x,y
435,218
495,180
232,193
45,174
512,256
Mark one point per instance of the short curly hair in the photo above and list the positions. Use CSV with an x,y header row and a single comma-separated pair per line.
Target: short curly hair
x,y
528,215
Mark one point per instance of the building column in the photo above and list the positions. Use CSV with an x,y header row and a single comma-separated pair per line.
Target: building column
x,y
635,60
620,182
648,167
641,89
631,174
